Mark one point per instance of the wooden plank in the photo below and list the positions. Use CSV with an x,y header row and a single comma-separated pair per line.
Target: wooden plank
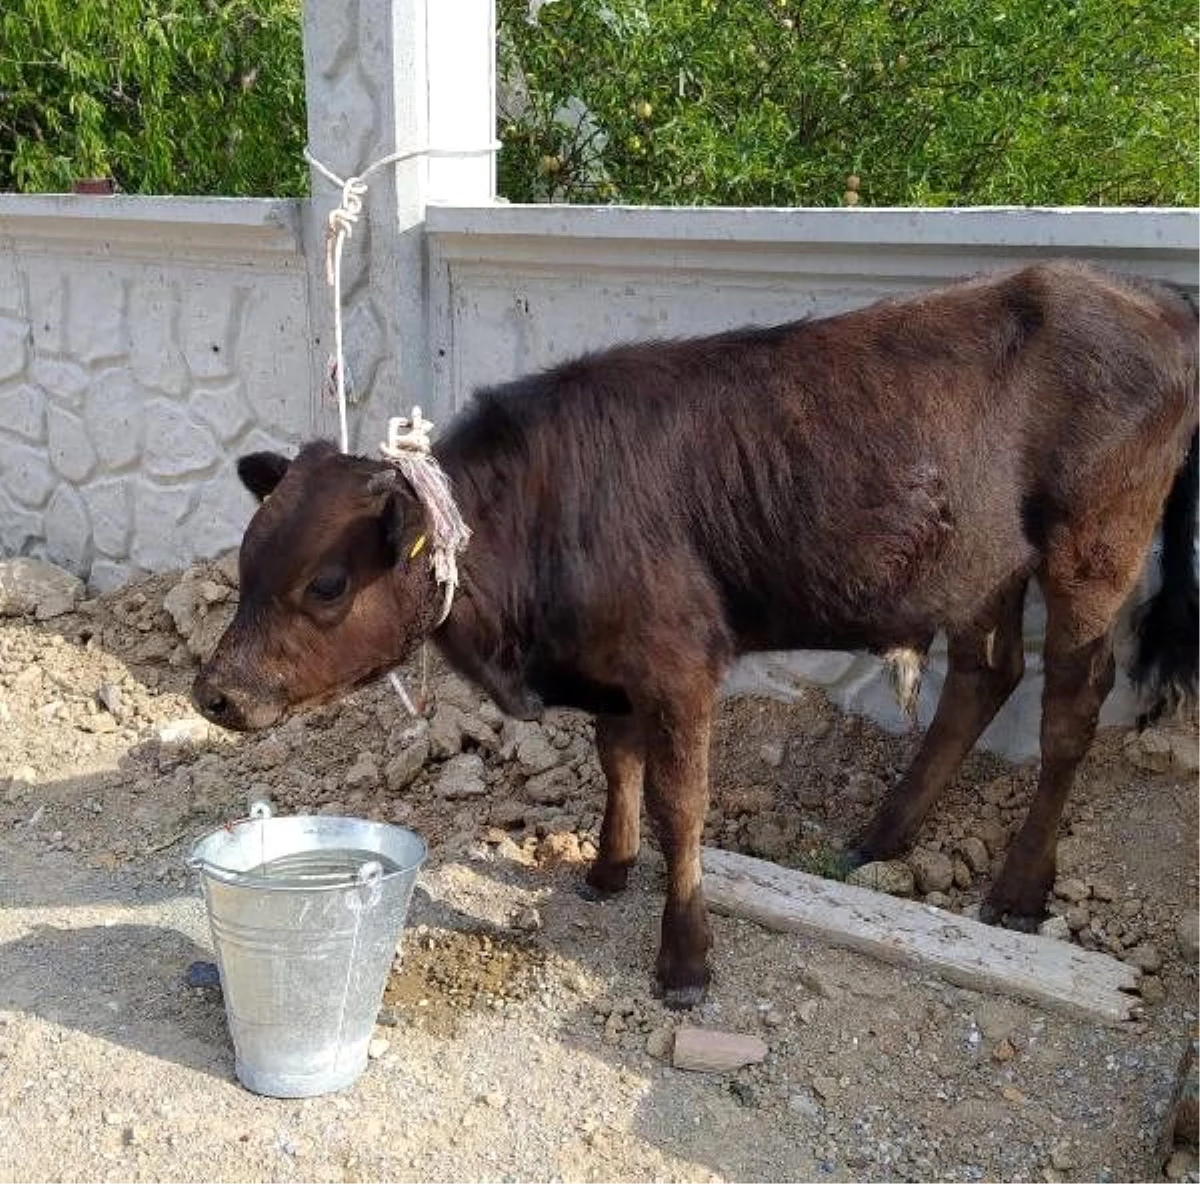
x,y
1039,969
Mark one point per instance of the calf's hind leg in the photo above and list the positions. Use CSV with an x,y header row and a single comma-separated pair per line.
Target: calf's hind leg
x,y
621,747
1079,674
986,662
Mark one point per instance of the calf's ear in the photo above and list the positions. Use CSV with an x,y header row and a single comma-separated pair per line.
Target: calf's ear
x,y
262,471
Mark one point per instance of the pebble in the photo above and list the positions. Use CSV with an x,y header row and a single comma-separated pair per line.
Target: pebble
x,y
660,1043
1181,1164
1145,957
891,876
1151,989
1072,890
772,753
533,749
826,1088
807,1011
402,770
962,874
1187,934
932,870
190,730
1077,917
1004,1050
1055,927
109,696
553,787
203,974
993,835
770,837
526,920
363,774
462,777
1062,1156
446,731
975,854
378,1047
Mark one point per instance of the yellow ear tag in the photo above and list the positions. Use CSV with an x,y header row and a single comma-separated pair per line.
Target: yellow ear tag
x,y
417,547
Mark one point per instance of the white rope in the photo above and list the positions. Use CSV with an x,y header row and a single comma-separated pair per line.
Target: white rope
x,y
410,452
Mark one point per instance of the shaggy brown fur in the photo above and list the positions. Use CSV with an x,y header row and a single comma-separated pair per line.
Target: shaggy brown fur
x,y
644,515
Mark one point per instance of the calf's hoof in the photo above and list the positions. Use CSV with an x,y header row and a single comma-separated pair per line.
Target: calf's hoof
x,y
684,998
991,914
604,880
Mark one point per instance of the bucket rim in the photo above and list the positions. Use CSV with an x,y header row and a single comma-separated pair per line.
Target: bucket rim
x,y
239,879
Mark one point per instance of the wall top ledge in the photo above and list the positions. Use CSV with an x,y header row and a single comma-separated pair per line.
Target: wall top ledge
x,y
999,227
229,228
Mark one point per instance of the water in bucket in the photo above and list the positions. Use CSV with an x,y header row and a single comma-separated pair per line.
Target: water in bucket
x,y
306,913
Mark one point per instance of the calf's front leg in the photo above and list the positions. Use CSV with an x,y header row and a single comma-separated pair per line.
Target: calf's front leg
x,y
621,747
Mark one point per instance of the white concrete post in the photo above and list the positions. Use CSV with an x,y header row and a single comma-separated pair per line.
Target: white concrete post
x,y
383,77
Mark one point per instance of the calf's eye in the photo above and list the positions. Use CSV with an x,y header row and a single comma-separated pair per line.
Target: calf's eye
x,y
327,586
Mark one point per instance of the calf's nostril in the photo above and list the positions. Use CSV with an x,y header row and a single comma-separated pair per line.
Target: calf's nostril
x,y
209,700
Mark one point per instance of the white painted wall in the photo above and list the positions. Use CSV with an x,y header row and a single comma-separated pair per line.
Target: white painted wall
x,y
144,344
518,288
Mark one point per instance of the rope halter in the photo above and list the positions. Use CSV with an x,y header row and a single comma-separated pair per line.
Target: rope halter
x,y
408,449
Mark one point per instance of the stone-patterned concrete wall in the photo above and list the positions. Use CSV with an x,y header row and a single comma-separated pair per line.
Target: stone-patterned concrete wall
x,y
145,343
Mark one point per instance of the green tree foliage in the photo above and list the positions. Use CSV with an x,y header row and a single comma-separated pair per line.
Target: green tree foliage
x,y
166,96
779,102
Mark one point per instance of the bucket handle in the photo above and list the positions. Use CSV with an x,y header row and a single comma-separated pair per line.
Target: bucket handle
x,y
259,810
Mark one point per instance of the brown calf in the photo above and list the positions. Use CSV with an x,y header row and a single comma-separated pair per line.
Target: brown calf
x,y
644,515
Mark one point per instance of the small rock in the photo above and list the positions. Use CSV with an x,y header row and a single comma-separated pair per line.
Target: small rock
x,y
1055,927
1187,934
932,870
109,696
962,874
1145,957
864,788
1010,1093
807,1011
1150,750
1181,1165
389,1016
378,1047
1062,1157
707,1050
552,787
363,774
993,835
1151,989
497,1099
770,837
938,900
179,732
975,854
203,974
507,814
526,920
890,876
402,770
32,587
1004,1050
806,1106
558,848
772,753
660,1043
1077,917
533,749
1072,890
744,1093
462,777
826,1088
112,1117
446,731
1102,890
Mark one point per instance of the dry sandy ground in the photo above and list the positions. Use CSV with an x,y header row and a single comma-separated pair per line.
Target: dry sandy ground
x,y
524,1041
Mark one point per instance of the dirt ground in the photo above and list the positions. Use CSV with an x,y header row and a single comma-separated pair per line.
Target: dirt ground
x,y
520,1038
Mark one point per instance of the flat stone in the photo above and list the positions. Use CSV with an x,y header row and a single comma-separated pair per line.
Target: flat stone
x,y
462,776
203,974
32,587
707,1050
1072,890
1187,934
1056,928
975,854
552,787
891,876
933,871
402,770
1145,957
533,749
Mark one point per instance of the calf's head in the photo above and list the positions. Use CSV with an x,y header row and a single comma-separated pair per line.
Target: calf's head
x,y
336,587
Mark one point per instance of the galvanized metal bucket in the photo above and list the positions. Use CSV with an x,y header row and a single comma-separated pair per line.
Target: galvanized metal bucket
x,y
306,913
